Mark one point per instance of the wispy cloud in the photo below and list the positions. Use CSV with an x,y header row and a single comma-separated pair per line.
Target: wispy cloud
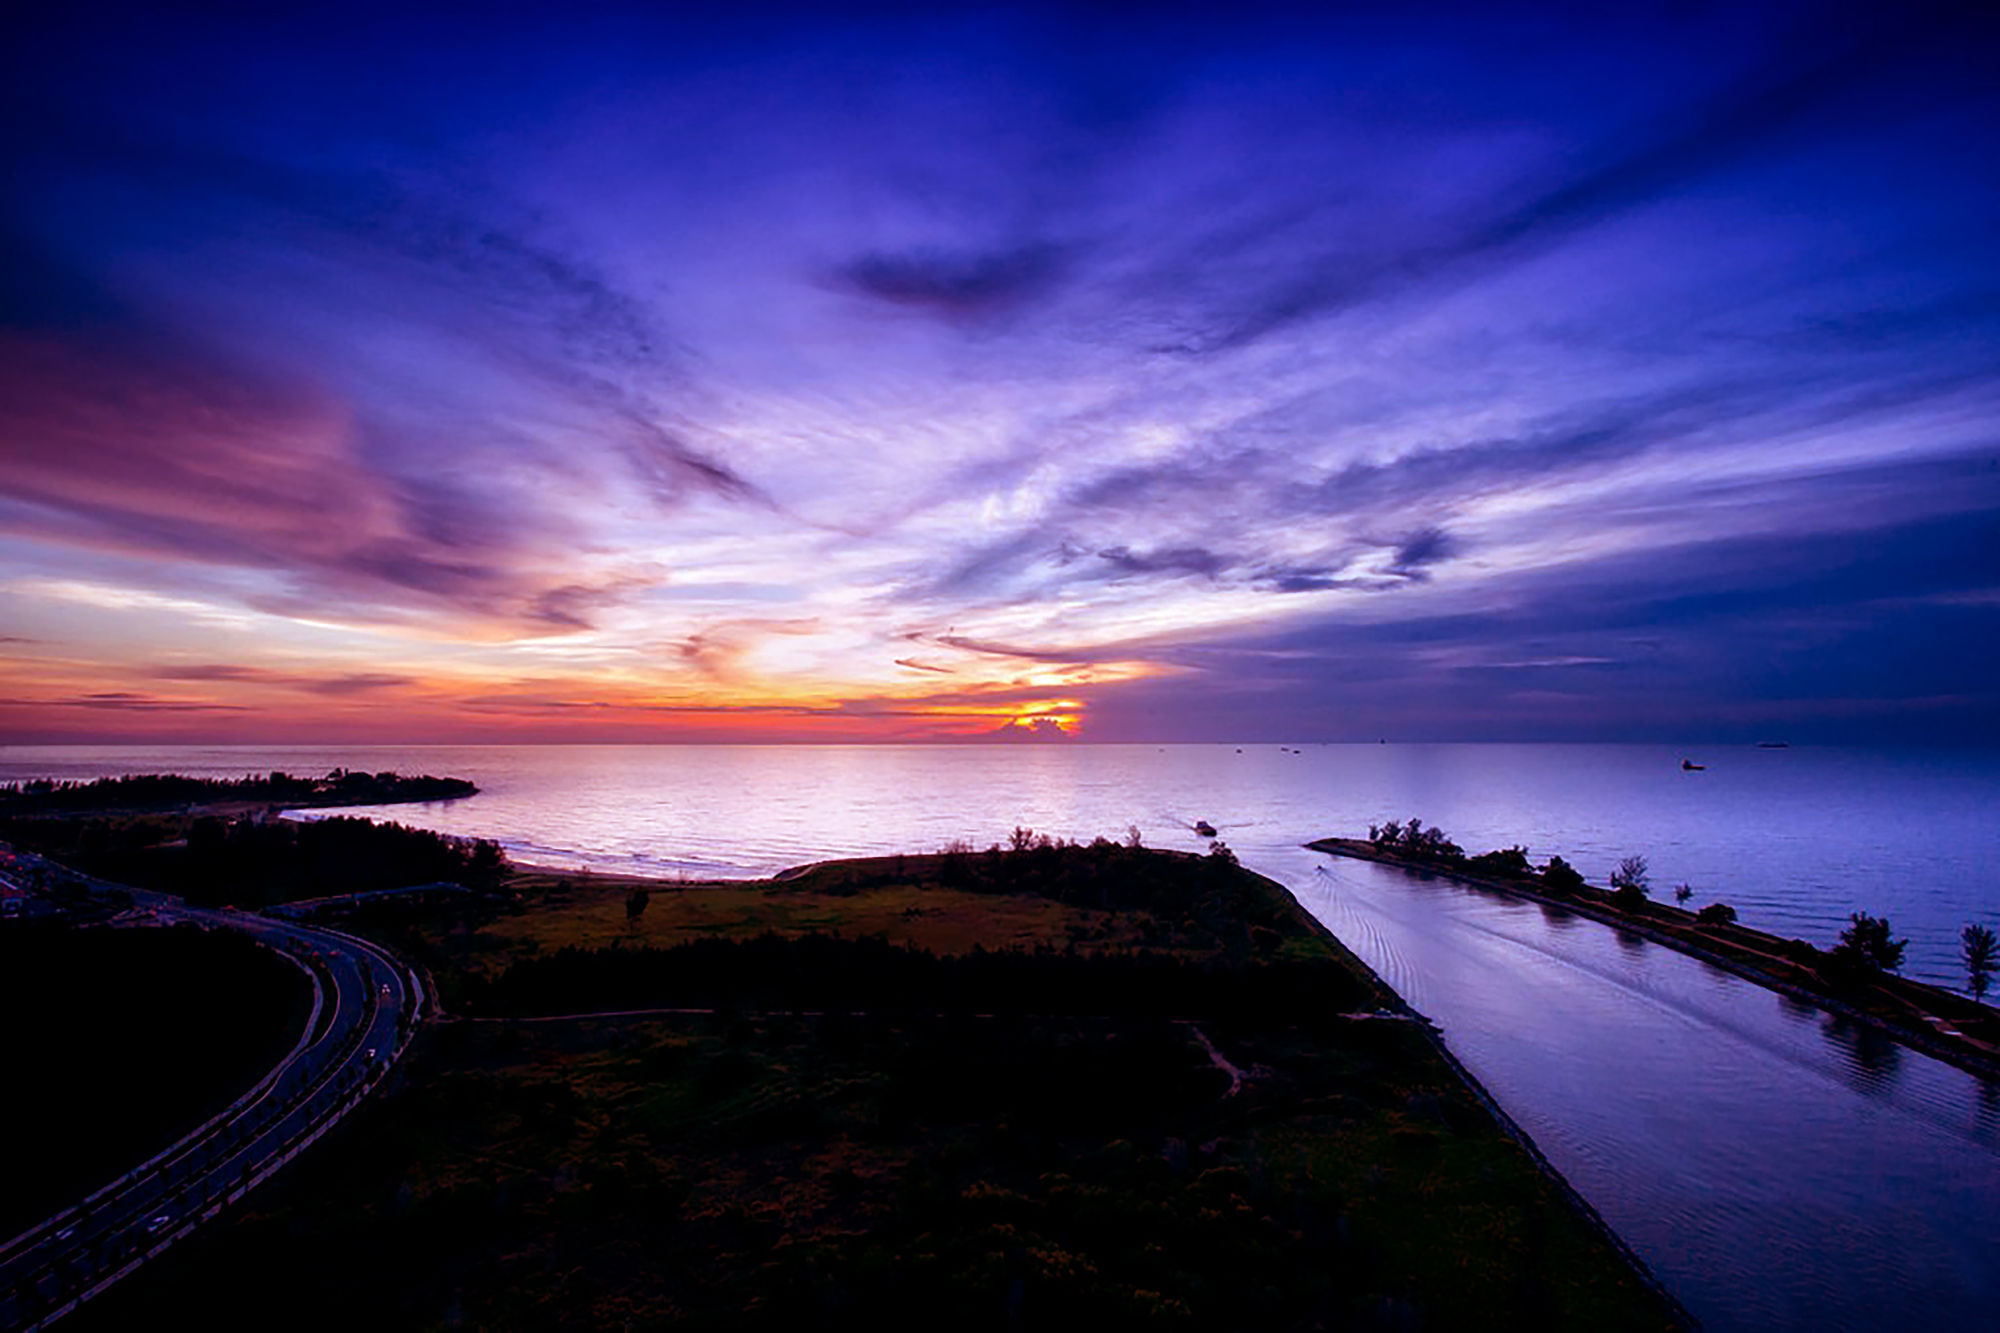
x,y
1270,367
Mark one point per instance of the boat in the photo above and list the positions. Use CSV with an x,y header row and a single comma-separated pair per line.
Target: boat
x,y
1690,766
1204,828
1774,745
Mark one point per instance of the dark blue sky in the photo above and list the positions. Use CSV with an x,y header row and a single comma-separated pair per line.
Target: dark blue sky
x,y
1206,372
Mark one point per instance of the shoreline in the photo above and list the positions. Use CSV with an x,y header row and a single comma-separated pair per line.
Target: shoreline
x,y
1755,957
1508,1126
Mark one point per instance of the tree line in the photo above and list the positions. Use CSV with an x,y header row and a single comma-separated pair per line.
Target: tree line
x,y
1866,950
870,974
151,791
252,862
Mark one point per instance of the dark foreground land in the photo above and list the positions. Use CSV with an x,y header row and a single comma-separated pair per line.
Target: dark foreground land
x,y
1950,1027
117,1042
1003,1089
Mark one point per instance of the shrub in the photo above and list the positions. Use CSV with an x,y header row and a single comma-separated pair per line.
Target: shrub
x,y
1716,914
1505,861
1561,876
1629,897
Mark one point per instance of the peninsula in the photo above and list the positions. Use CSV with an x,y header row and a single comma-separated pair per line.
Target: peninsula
x,y
1938,1022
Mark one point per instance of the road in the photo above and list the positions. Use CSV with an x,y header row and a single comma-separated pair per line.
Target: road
x,y
365,1005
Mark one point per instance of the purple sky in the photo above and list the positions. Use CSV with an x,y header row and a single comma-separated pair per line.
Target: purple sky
x,y
1162,373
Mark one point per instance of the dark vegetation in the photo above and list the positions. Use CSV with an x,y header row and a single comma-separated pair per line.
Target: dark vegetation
x,y
1977,948
166,791
1866,950
1631,881
822,972
982,1136
1111,876
849,1172
1109,929
250,861
119,1041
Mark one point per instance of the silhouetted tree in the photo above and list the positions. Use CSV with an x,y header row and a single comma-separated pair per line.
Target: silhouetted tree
x,y
1976,945
1866,948
635,903
1628,883
1683,892
1631,873
1716,914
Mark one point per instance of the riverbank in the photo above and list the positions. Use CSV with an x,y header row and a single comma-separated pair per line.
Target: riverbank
x,y
1946,1026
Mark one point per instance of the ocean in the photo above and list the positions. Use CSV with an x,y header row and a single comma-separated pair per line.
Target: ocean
x,y
1795,839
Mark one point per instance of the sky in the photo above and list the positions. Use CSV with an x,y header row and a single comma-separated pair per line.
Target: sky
x,y
1118,373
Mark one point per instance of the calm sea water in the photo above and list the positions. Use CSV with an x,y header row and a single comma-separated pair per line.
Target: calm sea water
x,y
1795,839
1775,1167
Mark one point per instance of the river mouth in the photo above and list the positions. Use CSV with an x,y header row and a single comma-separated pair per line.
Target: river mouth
x,y
1776,1165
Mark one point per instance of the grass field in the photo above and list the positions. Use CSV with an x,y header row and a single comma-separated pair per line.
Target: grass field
x,y
904,899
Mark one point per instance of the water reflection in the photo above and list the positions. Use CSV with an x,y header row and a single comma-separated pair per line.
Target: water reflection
x,y
1778,1166
1805,1011
1871,1056
1561,918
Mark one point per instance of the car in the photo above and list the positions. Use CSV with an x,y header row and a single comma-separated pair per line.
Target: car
x,y
385,990
370,1053
160,1222
67,1233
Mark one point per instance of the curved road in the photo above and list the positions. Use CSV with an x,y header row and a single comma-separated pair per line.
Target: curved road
x,y
364,1008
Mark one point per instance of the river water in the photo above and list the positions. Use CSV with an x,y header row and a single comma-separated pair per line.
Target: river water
x,y
1774,1166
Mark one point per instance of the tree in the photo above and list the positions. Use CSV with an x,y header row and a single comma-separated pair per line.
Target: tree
x,y
1716,914
1977,946
1867,948
635,903
1628,883
1631,874
1683,892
